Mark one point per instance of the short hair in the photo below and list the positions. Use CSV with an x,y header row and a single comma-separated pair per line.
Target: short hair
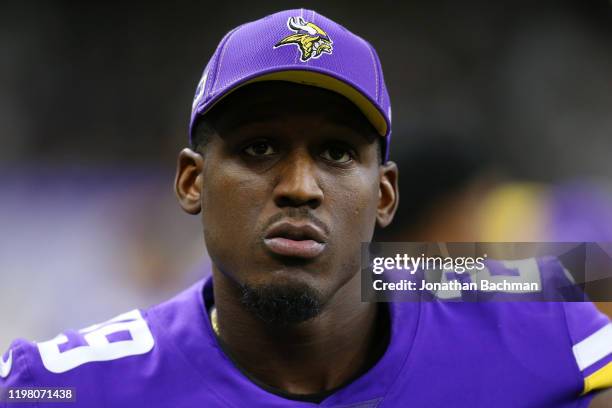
x,y
203,132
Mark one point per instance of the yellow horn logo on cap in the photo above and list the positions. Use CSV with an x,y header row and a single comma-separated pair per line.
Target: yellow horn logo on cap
x,y
310,39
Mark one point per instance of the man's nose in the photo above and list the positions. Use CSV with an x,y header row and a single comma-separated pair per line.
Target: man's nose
x,y
297,183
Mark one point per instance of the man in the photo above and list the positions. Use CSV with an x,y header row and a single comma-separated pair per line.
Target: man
x,y
289,172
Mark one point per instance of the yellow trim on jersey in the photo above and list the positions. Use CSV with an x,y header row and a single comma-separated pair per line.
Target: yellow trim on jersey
x,y
601,378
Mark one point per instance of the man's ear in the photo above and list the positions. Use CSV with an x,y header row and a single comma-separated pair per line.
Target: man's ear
x,y
388,194
188,180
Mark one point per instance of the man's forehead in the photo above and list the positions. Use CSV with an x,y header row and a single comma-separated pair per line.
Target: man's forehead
x,y
273,101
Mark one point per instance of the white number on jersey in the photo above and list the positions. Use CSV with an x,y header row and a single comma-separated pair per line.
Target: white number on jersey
x,y
5,366
94,344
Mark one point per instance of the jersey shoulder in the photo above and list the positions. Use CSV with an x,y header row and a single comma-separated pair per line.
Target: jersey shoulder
x,y
587,333
136,347
516,330
590,333
70,354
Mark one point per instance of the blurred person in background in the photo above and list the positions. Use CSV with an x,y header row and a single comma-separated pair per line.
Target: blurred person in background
x,y
454,190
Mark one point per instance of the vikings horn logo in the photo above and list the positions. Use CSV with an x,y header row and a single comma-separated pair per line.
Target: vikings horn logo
x,y
310,39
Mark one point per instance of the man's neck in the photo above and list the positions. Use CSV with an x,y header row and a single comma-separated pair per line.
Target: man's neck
x,y
323,353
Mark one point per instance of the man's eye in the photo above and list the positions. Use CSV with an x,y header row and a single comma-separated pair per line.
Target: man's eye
x,y
260,149
337,154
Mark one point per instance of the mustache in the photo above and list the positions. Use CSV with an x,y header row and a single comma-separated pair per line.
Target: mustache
x,y
296,214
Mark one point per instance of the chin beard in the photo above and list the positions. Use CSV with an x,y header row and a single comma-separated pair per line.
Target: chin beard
x,y
282,305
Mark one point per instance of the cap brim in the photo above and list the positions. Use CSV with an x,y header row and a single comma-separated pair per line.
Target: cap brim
x,y
321,80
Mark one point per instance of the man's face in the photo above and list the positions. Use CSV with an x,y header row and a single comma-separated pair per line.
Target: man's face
x,y
291,187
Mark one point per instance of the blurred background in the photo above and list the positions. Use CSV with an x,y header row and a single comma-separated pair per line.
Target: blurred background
x,y
502,129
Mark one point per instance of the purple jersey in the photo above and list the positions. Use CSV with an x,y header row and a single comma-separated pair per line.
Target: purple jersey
x,y
441,354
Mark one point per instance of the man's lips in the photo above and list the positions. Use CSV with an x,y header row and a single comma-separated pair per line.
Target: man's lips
x,y
296,240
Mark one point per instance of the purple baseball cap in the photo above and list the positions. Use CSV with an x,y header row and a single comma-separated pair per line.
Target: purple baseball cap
x,y
298,46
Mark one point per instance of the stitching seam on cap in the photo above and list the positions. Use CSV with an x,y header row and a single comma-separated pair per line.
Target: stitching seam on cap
x,y
375,67
224,47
